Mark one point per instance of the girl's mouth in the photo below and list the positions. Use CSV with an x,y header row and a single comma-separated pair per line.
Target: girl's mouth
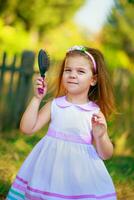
x,y
72,83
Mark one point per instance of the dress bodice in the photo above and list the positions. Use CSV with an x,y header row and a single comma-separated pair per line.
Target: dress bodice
x,y
72,118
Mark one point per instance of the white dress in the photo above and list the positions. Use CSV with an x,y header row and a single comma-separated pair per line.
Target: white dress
x,y
64,164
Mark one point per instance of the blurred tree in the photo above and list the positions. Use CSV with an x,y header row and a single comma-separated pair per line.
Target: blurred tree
x,y
24,24
118,34
41,14
118,43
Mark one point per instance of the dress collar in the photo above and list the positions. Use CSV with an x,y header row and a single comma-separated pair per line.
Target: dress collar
x,y
63,103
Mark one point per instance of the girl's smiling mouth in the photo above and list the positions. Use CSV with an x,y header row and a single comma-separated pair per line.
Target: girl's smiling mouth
x,y
70,82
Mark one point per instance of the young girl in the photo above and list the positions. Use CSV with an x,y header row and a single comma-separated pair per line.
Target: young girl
x,y
65,164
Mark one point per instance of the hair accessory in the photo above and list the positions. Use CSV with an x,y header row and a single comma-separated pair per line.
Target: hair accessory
x,y
84,50
43,62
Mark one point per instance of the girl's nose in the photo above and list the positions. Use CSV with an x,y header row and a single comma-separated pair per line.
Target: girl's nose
x,y
72,75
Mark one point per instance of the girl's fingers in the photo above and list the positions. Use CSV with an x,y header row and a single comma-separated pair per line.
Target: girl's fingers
x,y
99,123
38,77
41,82
98,119
95,119
99,115
40,86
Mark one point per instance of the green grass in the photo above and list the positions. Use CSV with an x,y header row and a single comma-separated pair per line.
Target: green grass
x,y
121,169
15,146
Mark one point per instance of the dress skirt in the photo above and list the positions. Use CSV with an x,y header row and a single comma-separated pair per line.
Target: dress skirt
x,y
61,167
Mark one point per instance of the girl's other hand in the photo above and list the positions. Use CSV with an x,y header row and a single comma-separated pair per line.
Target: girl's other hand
x,y
40,87
99,125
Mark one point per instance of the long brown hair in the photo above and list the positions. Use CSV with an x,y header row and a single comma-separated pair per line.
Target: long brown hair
x,y
102,92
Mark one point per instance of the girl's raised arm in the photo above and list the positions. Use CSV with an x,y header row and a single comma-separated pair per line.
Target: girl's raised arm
x,y
102,141
34,119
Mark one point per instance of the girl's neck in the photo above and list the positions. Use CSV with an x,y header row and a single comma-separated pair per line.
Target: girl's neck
x,y
77,99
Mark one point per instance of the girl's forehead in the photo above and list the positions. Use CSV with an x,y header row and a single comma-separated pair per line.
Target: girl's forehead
x,y
78,61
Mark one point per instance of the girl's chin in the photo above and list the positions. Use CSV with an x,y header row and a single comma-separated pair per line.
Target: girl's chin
x,y
73,92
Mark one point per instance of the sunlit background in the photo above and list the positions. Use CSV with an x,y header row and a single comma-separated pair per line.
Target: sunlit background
x,y
26,27
93,14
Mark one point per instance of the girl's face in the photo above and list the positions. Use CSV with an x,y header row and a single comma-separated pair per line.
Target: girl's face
x,y
78,76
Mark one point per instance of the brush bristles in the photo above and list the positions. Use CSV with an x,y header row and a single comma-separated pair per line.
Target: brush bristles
x,y
43,62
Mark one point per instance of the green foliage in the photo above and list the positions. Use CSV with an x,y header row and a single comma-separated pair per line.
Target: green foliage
x,y
38,14
131,1
124,124
118,36
15,38
25,24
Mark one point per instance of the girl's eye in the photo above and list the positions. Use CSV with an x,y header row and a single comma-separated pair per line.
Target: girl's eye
x,y
81,71
67,70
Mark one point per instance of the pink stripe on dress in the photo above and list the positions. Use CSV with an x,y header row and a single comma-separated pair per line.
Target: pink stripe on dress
x,y
17,186
22,180
31,197
72,196
83,139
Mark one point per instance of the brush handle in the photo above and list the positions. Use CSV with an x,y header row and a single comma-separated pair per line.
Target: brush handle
x,y
41,90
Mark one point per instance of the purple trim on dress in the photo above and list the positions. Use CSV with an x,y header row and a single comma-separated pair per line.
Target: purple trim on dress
x,y
84,139
17,186
72,196
22,180
63,103
31,197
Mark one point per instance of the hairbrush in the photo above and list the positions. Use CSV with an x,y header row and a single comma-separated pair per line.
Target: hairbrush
x,y
43,63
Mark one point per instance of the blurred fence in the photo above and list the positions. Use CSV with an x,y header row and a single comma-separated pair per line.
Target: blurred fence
x,y
15,84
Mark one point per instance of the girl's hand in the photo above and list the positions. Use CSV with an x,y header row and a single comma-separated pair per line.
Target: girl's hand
x,y
99,125
40,87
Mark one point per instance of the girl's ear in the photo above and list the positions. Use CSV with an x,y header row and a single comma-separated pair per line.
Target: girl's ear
x,y
94,80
